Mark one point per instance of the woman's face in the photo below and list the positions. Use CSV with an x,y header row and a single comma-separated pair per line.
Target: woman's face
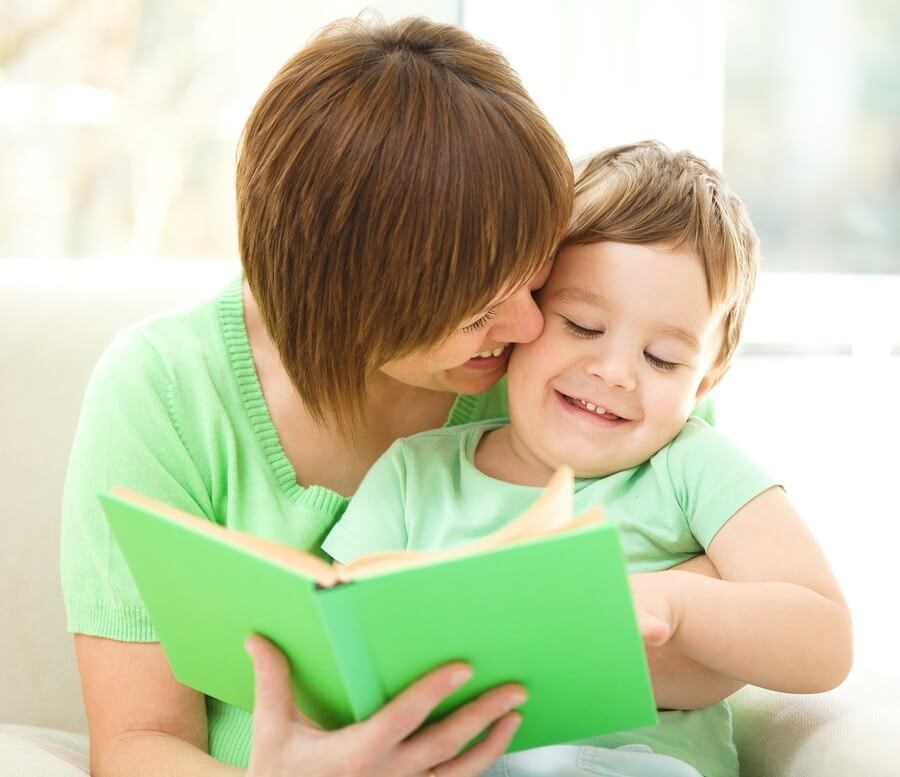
x,y
474,357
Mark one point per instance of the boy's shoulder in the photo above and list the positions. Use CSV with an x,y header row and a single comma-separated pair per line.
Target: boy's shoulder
x,y
432,453
696,431
438,444
697,438
704,454
696,428
448,434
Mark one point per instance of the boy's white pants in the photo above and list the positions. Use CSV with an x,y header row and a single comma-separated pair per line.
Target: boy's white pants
x,y
581,760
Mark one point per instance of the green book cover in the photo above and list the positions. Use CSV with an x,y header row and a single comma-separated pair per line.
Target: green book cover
x,y
552,612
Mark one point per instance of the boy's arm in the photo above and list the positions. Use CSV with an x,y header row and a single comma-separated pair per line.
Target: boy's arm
x,y
776,619
680,683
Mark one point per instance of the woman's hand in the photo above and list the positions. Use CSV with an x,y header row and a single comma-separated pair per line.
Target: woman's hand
x,y
286,743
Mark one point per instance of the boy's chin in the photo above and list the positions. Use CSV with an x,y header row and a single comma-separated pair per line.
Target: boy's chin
x,y
599,468
588,471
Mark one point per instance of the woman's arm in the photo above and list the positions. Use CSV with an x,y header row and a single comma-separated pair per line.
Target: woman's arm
x,y
776,619
142,722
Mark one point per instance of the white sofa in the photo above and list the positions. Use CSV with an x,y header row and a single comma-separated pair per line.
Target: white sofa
x,y
56,319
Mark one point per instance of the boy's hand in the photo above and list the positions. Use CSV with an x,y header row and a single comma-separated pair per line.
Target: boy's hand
x,y
654,603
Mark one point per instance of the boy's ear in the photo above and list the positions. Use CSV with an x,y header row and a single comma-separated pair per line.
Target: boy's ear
x,y
709,382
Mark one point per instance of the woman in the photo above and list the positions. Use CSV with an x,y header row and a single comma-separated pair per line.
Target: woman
x,y
399,198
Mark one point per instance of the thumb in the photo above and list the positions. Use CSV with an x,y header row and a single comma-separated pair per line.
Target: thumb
x,y
654,630
274,700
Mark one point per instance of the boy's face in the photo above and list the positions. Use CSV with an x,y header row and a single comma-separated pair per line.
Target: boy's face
x,y
628,329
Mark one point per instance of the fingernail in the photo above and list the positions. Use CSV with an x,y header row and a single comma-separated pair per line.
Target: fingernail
x,y
514,721
460,677
516,698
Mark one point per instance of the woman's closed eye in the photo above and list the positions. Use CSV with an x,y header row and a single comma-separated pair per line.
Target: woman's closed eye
x,y
476,325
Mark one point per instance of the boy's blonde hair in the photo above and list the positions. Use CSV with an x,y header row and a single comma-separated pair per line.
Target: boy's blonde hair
x,y
646,193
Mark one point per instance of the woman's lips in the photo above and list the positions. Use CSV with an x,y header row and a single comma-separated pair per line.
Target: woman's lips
x,y
489,362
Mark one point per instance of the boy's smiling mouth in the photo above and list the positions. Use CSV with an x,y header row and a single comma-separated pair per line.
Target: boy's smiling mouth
x,y
589,407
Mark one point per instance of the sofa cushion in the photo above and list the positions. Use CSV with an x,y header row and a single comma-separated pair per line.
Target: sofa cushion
x,y
851,730
29,750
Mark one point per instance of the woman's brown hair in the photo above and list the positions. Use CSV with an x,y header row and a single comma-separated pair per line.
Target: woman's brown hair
x,y
391,181
646,193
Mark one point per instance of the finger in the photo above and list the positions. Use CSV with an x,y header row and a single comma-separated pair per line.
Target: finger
x,y
478,758
407,711
443,740
274,700
654,631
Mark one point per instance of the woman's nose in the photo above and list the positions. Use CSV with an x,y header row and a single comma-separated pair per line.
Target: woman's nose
x,y
519,319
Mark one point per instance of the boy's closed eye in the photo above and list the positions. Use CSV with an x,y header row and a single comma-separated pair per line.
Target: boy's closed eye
x,y
655,361
581,331
660,364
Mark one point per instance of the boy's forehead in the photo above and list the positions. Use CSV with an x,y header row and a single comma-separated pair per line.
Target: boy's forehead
x,y
599,273
646,298
580,294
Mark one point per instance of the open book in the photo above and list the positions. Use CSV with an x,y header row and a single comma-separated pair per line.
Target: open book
x,y
544,601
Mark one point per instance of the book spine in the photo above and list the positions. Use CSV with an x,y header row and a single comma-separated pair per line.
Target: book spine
x,y
351,650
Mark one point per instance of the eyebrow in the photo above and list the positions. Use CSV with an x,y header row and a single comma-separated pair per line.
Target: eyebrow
x,y
681,334
581,295
590,298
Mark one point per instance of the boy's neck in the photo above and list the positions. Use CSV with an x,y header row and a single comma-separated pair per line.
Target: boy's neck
x,y
499,455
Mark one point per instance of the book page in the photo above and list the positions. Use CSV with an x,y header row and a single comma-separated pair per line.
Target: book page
x,y
550,513
305,563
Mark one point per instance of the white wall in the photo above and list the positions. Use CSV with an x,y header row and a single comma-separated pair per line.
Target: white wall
x,y
607,72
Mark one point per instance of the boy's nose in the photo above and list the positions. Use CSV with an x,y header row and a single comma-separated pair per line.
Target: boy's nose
x,y
614,369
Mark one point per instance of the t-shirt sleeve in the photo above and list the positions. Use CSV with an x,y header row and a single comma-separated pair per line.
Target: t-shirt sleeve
x,y
127,434
374,519
712,478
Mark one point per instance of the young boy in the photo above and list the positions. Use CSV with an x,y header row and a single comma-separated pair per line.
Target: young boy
x,y
642,315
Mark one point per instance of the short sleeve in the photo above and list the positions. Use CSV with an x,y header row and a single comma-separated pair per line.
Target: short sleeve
x,y
712,478
128,435
374,519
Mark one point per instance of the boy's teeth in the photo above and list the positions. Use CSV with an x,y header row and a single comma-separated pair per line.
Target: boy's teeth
x,y
592,407
488,354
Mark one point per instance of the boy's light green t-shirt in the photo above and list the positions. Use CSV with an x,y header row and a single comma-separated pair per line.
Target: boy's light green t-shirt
x,y
174,410
426,493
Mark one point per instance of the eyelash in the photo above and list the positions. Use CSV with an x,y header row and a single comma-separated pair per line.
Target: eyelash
x,y
580,331
476,325
654,361
660,364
